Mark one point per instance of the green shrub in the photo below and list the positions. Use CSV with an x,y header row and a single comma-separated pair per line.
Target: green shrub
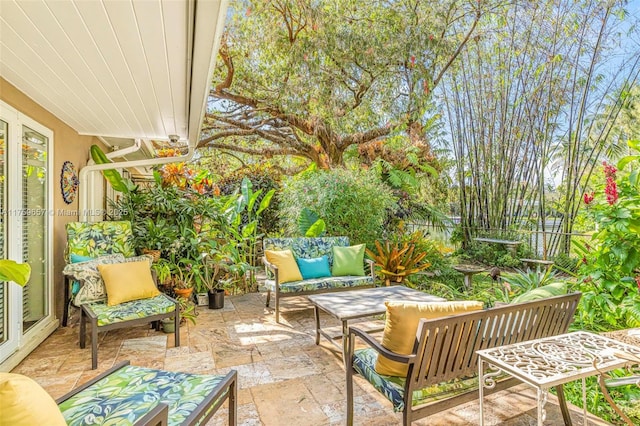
x,y
261,178
352,203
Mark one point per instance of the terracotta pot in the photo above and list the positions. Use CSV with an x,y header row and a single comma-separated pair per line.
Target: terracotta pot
x,y
183,292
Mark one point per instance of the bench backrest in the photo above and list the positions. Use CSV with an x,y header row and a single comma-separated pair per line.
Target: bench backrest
x,y
306,247
96,239
446,347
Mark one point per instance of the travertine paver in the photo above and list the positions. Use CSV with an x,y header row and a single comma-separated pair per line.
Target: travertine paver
x,y
284,378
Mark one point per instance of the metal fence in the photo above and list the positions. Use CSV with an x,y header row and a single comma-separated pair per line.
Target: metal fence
x,y
539,241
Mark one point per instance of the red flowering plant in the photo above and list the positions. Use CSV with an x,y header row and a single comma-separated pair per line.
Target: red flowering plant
x,y
609,274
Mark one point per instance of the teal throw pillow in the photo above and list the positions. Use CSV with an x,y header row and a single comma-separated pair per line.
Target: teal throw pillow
x,y
549,290
317,267
348,260
76,258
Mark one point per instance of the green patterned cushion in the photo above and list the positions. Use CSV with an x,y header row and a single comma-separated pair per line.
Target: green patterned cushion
x,y
307,248
319,283
99,238
135,309
393,387
129,393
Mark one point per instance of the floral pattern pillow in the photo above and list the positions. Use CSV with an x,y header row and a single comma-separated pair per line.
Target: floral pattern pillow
x,y
92,287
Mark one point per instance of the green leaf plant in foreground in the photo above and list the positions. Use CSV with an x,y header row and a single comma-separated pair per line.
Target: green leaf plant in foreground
x,y
13,271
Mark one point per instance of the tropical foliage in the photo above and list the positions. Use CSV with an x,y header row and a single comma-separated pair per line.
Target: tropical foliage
x,y
10,270
349,79
610,273
351,203
396,262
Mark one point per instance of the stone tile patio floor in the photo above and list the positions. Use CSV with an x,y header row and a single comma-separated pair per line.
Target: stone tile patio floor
x,y
284,377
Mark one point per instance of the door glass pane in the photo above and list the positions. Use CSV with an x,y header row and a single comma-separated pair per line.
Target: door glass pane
x,y
34,225
3,208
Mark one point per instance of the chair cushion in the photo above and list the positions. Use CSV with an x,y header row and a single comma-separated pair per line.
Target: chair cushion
x,y
319,283
25,403
392,387
307,247
546,291
317,267
92,286
128,311
285,262
100,238
129,393
348,260
401,327
128,281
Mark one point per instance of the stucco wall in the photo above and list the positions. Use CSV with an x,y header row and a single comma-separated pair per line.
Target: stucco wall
x,y
68,145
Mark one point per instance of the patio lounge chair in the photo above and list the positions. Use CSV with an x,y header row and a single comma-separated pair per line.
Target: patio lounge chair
x,y
126,394
148,305
88,240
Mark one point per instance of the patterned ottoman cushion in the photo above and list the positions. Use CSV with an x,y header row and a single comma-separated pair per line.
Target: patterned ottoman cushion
x,y
131,392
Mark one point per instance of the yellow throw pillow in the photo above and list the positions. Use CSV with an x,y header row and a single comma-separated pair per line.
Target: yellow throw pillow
x,y
24,403
402,325
128,281
287,267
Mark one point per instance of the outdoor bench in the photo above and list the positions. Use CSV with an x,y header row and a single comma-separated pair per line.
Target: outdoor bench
x,y
444,354
309,248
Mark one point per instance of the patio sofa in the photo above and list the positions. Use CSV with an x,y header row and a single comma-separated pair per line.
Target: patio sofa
x,y
444,353
312,249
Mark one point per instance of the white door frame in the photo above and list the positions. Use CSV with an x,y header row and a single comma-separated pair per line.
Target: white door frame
x,y
19,344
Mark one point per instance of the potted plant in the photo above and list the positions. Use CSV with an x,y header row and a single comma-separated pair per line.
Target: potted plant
x,y
151,237
187,313
183,274
212,278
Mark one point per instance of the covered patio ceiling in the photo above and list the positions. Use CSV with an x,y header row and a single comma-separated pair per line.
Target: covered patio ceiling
x,y
123,69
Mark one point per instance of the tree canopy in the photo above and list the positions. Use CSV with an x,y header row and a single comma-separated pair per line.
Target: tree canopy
x,y
311,79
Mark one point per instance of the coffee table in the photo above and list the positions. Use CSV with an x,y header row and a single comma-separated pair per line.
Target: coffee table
x,y
360,303
552,361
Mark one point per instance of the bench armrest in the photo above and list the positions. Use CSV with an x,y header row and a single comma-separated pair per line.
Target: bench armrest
x,y
374,344
271,267
372,270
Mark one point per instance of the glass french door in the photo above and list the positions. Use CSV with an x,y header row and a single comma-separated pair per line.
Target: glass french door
x,y
35,216
25,226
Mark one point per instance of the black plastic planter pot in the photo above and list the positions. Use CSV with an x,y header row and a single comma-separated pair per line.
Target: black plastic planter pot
x,y
216,299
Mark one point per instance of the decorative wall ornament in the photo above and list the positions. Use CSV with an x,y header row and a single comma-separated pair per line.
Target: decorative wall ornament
x,y
68,182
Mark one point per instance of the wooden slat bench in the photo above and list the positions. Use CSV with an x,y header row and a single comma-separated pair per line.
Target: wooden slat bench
x,y
445,350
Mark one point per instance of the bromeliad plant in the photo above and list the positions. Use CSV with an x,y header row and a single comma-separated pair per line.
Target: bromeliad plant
x,y
609,276
397,261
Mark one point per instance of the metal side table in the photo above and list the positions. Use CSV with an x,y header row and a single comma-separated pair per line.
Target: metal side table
x,y
549,362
